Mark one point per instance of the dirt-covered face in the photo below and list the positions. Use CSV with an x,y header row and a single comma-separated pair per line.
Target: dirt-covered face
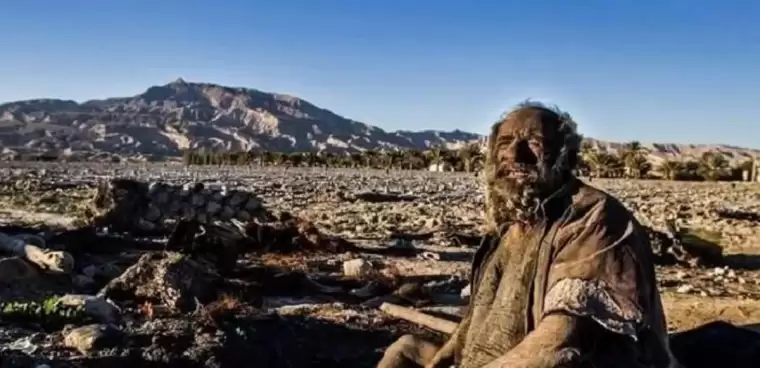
x,y
520,171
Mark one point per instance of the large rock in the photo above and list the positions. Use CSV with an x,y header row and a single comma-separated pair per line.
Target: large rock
x,y
168,278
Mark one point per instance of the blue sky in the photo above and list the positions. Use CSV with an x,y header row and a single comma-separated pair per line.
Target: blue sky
x,y
683,71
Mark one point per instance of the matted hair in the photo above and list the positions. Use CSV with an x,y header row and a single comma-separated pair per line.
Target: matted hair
x,y
568,130
565,161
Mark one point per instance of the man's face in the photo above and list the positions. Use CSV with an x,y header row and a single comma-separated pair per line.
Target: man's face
x,y
525,145
524,148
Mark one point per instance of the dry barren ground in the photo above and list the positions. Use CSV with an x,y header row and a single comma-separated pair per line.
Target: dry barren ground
x,y
306,311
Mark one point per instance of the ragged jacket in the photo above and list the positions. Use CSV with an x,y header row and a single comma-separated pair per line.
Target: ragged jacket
x,y
588,257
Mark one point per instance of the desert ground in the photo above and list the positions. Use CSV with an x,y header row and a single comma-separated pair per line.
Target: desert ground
x,y
404,237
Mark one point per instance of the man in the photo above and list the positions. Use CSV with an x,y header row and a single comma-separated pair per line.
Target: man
x,y
565,277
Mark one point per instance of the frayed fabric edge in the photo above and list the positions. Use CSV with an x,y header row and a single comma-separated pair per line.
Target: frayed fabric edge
x,y
593,299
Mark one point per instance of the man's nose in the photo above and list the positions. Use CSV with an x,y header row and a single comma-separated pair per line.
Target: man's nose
x,y
518,152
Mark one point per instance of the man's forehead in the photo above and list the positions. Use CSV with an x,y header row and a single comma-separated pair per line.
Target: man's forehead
x,y
528,120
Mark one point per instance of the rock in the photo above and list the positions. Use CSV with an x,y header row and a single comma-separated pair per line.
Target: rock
x,y
82,282
357,268
14,269
683,289
367,291
680,275
465,294
168,278
89,338
718,271
101,308
432,256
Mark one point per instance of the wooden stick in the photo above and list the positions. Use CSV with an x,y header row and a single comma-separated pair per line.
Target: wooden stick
x,y
422,319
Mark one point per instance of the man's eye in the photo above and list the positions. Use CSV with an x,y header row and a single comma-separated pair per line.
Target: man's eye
x,y
506,142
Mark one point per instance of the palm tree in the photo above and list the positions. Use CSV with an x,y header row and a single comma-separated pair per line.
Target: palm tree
x,y
356,159
636,165
471,156
370,157
414,160
603,164
712,166
437,155
634,159
670,169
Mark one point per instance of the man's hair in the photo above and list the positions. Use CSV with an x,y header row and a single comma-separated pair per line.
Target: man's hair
x,y
567,157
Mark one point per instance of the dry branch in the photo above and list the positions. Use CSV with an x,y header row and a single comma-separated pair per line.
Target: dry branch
x,y
422,319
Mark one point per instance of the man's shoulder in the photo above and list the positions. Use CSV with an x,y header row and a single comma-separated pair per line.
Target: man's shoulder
x,y
597,215
593,204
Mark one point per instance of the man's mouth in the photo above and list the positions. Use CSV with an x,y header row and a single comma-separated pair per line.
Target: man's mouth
x,y
518,174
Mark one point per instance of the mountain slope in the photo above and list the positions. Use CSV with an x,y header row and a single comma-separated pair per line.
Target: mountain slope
x,y
167,119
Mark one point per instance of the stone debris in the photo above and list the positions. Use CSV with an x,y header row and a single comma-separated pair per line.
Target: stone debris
x,y
357,268
87,338
170,279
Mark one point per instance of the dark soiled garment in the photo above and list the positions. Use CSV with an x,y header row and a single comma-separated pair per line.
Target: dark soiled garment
x,y
587,258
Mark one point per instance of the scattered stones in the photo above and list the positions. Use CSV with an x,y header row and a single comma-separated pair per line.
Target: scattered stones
x,y
686,288
357,268
87,338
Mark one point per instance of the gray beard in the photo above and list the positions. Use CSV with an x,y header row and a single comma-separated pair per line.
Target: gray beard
x,y
512,201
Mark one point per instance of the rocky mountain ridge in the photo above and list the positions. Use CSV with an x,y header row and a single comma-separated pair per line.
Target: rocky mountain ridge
x,y
166,120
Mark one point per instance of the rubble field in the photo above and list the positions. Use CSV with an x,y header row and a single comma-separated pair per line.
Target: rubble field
x,y
113,265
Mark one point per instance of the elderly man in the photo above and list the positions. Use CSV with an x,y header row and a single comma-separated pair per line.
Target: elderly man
x,y
565,277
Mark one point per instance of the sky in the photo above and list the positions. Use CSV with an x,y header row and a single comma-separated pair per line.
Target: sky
x,y
685,71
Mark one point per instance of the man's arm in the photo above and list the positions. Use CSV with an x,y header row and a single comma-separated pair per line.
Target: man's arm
x,y
594,288
557,341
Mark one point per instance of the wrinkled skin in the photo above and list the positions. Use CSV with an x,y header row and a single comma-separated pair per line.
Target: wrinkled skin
x,y
520,166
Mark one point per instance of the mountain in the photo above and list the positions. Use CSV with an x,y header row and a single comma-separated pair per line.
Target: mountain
x,y
165,120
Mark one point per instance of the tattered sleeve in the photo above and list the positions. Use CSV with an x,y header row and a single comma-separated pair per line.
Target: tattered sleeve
x,y
594,272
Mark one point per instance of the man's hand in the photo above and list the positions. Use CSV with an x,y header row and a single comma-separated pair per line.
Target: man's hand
x,y
445,356
554,343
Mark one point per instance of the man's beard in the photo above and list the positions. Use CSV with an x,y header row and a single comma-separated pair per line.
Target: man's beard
x,y
514,192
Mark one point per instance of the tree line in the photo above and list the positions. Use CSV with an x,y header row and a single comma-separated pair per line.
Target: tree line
x,y
630,161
